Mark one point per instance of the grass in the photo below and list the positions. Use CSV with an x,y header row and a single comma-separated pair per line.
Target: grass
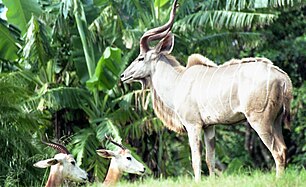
x,y
292,178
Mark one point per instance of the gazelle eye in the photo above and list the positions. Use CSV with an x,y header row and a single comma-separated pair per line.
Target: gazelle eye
x,y
129,158
73,163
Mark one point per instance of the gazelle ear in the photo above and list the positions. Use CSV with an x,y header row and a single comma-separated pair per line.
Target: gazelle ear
x,y
46,163
166,44
106,153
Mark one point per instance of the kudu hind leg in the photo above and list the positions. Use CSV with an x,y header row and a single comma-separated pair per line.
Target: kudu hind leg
x,y
209,138
272,137
282,148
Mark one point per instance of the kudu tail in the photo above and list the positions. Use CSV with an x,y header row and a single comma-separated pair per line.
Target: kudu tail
x,y
287,100
287,117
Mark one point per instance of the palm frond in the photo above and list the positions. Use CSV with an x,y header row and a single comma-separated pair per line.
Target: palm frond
x,y
37,46
102,27
213,45
59,98
84,145
256,4
278,3
107,127
230,39
17,130
14,91
222,19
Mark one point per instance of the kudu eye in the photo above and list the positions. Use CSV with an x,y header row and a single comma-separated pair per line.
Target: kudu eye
x,y
140,58
73,163
129,158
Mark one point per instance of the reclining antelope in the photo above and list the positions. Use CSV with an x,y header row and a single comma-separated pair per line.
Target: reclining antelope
x,y
63,167
203,94
121,161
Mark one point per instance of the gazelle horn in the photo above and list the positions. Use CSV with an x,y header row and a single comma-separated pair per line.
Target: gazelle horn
x,y
60,148
117,144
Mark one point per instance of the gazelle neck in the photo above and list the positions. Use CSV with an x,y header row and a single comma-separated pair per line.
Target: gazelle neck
x,y
55,177
113,174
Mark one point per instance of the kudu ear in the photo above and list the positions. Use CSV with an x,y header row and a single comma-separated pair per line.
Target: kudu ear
x,y
166,44
46,163
106,153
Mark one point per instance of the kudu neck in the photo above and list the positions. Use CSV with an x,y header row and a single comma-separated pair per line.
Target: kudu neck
x,y
55,177
164,78
113,174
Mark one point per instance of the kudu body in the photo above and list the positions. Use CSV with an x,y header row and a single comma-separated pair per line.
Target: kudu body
x,y
121,161
202,94
63,167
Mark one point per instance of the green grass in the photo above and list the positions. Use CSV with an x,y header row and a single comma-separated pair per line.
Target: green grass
x,y
292,178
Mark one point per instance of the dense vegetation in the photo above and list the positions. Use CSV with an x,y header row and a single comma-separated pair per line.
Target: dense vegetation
x,y
60,63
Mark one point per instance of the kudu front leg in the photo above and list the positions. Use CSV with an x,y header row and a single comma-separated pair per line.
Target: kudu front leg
x,y
194,136
209,138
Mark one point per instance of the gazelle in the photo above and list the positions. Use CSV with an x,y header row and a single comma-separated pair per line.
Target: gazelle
x,y
63,167
201,95
121,161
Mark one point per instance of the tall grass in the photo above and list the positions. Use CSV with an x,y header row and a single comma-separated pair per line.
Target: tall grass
x,y
292,178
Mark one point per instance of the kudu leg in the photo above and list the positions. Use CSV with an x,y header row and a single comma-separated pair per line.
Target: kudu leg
x,y
209,138
194,136
280,155
271,135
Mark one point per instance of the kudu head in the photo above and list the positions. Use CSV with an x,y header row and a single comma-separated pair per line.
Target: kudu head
x,y
63,164
122,159
141,68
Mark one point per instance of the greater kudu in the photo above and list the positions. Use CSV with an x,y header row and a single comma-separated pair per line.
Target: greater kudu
x,y
203,94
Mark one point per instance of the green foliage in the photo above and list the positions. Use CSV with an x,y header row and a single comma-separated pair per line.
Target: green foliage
x,y
37,44
84,144
214,27
299,123
107,71
20,12
18,130
61,97
15,91
230,148
83,32
222,19
160,3
8,38
286,46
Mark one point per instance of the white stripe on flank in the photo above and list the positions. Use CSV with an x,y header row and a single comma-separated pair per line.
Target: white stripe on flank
x,y
219,96
269,66
254,78
231,92
201,88
209,84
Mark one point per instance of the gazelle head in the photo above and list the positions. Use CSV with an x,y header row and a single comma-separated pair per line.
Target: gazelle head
x,y
141,68
122,160
63,165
